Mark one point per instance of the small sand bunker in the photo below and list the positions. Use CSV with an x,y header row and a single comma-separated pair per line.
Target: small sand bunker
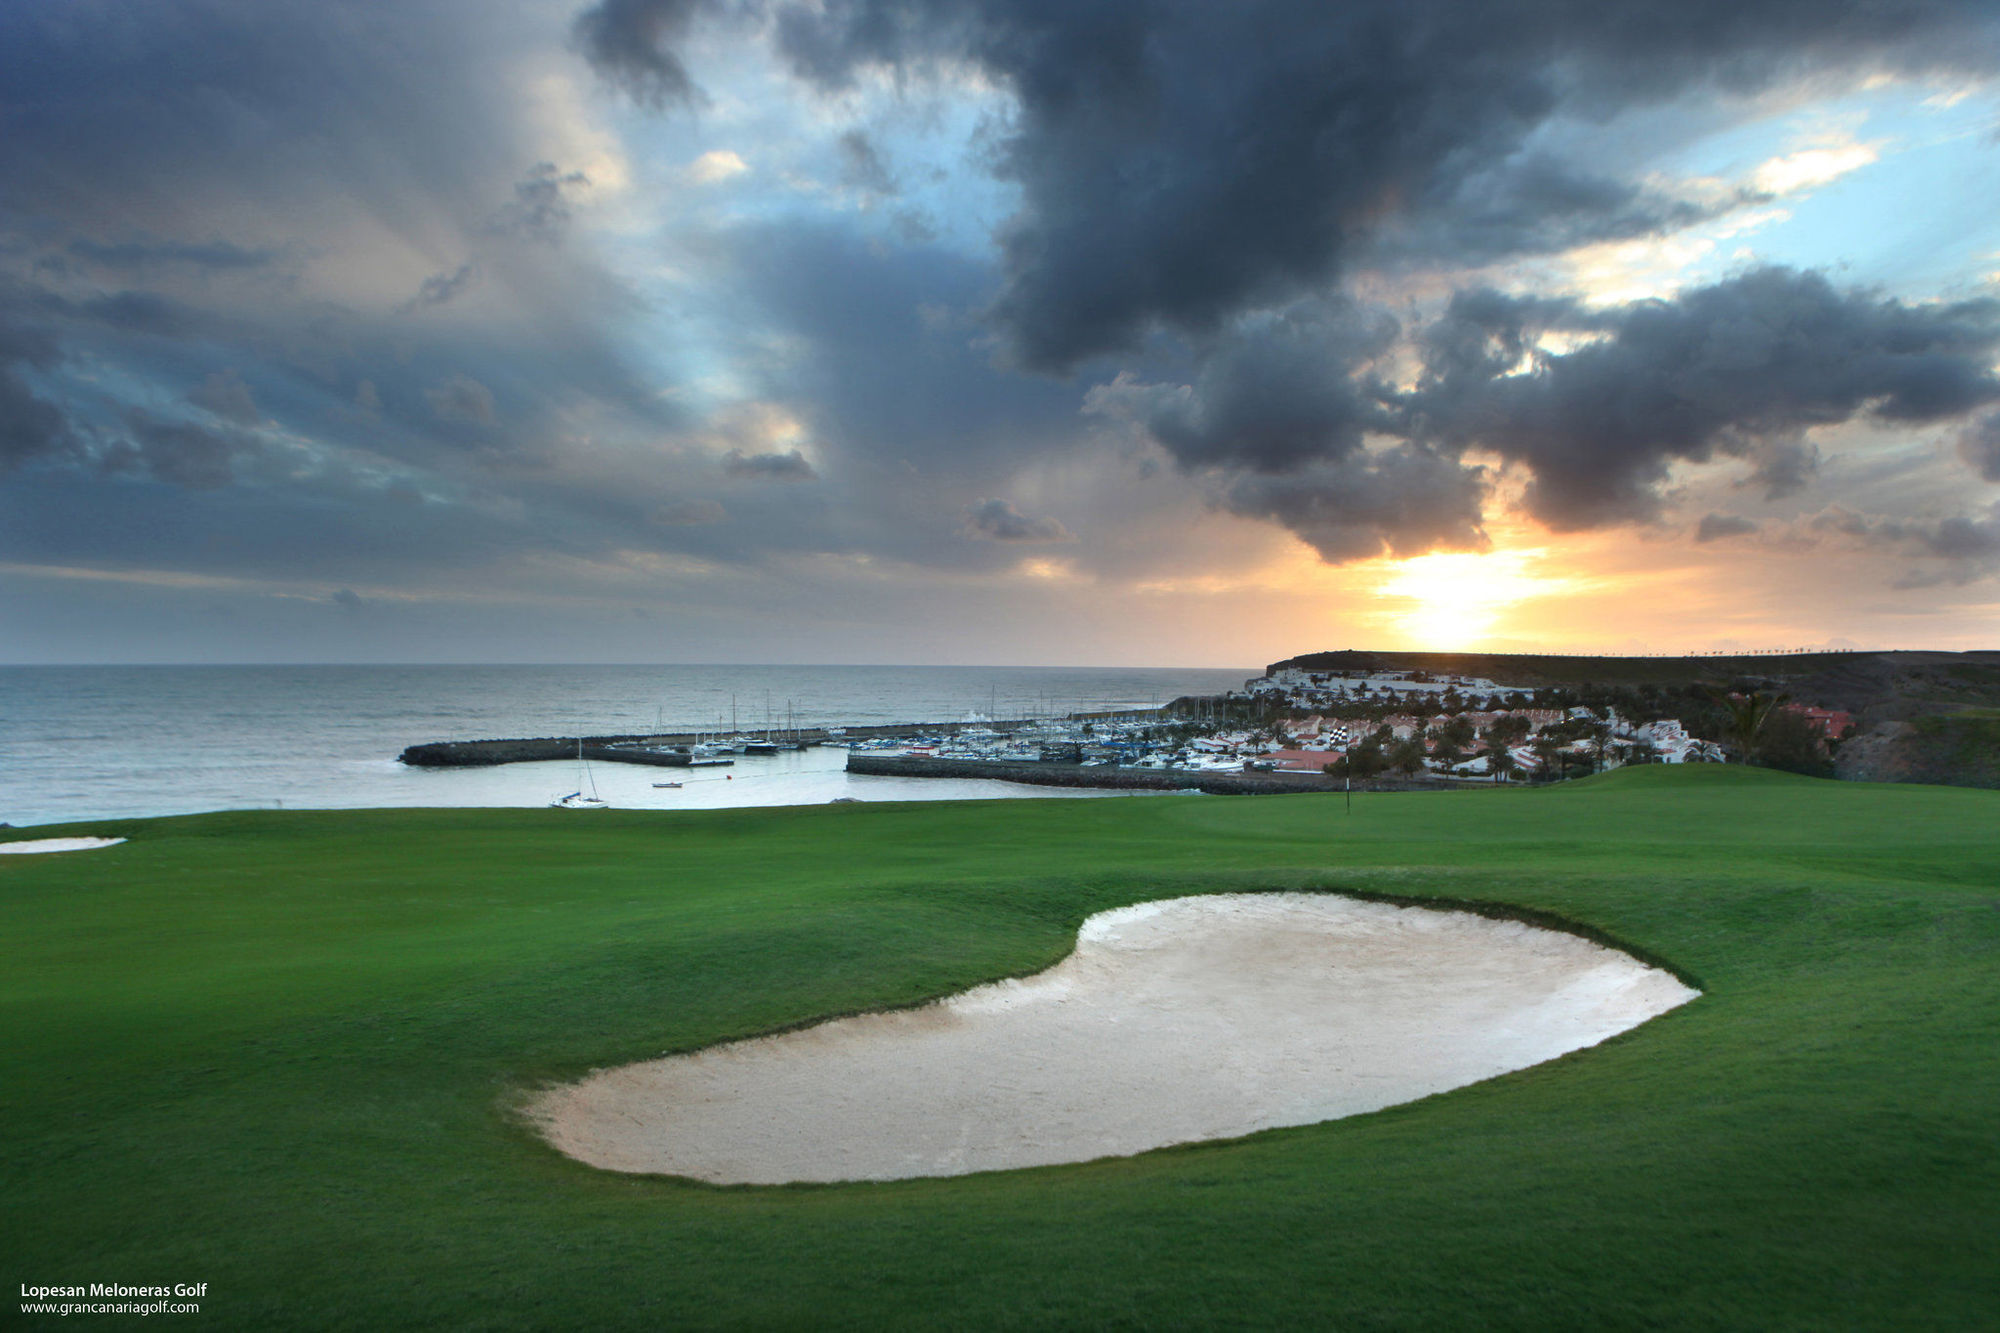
x,y
56,845
1193,1018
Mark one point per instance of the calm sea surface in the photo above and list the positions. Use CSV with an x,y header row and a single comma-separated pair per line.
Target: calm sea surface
x,y
81,743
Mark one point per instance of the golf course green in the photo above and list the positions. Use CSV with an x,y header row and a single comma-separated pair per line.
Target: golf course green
x,y
283,1053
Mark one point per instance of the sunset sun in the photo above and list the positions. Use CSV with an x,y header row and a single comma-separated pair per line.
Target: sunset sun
x,y
1449,601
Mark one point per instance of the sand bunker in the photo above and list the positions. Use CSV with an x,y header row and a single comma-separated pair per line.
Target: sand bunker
x,y
1193,1018
57,845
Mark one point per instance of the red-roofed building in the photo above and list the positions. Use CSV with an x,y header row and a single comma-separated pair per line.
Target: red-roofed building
x,y
1300,761
1832,723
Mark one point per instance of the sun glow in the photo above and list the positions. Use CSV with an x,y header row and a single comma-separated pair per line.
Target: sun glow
x,y
1457,600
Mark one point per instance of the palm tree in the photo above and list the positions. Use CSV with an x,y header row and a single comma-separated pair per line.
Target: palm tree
x,y
1747,713
1549,751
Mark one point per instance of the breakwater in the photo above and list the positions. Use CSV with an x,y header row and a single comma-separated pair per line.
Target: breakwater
x,y
654,748
1087,775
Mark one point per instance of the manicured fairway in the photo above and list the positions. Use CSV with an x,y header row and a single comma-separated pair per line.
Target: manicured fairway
x,y
279,1052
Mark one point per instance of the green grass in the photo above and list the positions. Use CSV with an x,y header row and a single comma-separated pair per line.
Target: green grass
x,y
279,1052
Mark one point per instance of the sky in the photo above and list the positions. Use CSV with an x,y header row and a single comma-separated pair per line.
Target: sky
x,y
1082,332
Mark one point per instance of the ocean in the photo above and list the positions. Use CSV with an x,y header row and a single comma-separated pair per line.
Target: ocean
x,y
105,742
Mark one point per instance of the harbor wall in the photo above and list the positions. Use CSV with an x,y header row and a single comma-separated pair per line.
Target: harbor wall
x,y
638,748
1087,775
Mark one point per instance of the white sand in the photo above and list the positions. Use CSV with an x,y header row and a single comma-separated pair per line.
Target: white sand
x,y
57,845
1193,1018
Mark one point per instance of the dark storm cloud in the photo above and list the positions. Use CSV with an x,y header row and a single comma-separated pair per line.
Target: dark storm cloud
x,y
228,397
1198,169
193,186
999,521
1738,368
789,466
1972,541
1979,444
30,427
1402,501
1741,369
1276,394
1715,527
1782,467
181,453
861,166
1280,409
631,43
1180,162
1535,204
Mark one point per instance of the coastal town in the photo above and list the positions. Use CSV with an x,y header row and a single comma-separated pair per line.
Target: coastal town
x,y
1351,717
1373,724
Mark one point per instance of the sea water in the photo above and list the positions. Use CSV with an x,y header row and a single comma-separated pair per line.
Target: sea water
x,y
81,743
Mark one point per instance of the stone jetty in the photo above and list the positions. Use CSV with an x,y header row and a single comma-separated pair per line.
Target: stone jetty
x,y
1044,774
659,749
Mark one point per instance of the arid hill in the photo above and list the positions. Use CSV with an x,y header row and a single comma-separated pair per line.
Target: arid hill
x,y
1919,716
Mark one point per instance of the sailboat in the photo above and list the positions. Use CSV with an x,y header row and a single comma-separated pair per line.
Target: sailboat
x,y
576,800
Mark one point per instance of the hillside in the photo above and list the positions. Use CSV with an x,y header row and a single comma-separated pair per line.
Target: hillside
x,y
1919,716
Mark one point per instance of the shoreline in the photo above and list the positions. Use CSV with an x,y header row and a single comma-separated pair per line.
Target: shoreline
x,y
1042,774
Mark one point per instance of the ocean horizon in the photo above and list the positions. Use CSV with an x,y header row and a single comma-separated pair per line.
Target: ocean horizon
x,y
83,743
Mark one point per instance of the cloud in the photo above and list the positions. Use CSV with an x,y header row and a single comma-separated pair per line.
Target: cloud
x,y
1979,445
462,398
1782,466
215,256
540,210
1715,527
1737,368
182,453
30,426
717,164
861,166
1532,203
790,466
1812,167
1178,164
1403,501
443,288
689,513
1273,395
999,521
631,43
1967,546
879,361
224,395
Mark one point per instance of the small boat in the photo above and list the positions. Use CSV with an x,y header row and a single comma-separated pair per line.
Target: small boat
x,y
666,784
576,800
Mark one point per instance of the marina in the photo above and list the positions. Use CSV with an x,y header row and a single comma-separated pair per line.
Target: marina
x,y
84,743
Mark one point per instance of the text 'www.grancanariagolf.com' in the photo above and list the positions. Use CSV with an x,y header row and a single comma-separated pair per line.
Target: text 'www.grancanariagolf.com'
x,y
113,1298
